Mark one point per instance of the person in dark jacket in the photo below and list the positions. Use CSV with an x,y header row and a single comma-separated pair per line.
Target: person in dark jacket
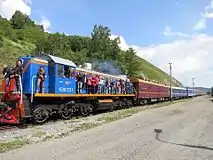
x,y
18,73
41,75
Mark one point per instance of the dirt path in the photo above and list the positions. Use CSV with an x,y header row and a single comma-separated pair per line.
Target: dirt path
x,y
187,134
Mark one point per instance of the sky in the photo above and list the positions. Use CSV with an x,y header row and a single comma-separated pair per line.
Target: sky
x,y
161,31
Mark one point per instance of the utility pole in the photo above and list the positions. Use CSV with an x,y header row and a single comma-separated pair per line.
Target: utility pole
x,y
170,73
193,85
193,82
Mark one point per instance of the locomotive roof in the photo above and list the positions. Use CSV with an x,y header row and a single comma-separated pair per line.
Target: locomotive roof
x,y
62,61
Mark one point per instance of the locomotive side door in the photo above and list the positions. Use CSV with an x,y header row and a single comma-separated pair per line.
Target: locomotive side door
x,y
52,76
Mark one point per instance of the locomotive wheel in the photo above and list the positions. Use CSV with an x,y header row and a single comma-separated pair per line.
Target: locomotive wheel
x,y
40,115
129,103
112,107
67,112
86,109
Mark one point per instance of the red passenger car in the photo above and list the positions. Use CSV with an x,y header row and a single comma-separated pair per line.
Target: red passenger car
x,y
147,90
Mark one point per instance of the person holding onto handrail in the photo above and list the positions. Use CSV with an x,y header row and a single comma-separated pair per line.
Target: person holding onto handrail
x,y
41,75
79,78
18,73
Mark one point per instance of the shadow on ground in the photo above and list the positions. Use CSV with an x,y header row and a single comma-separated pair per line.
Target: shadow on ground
x,y
159,131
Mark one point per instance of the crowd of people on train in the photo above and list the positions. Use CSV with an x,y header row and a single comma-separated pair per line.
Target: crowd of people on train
x,y
89,83
102,85
92,83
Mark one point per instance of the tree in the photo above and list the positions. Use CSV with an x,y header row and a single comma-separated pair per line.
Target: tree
x,y
21,21
1,42
101,45
43,44
132,63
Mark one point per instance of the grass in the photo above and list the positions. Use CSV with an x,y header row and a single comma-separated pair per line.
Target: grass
x,y
154,73
6,146
12,50
39,134
120,114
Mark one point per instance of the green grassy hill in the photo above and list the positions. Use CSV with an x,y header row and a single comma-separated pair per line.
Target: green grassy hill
x,y
21,36
11,50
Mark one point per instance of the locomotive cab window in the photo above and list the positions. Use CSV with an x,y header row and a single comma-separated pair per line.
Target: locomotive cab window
x,y
60,70
69,72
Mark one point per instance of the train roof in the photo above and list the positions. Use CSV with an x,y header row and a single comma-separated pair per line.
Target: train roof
x,y
179,88
149,82
101,74
192,89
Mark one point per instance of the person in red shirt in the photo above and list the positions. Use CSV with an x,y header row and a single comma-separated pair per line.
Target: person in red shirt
x,y
89,84
93,79
118,87
97,79
71,72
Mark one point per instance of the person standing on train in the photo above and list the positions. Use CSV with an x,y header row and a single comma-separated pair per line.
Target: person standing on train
x,y
127,86
94,81
18,74
71,72
6,74
100,85
107,86
84,80
79,78
112,86
41,75
89,84
118,87
97,79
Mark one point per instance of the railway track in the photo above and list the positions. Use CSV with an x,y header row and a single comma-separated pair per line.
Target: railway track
x,y
8,128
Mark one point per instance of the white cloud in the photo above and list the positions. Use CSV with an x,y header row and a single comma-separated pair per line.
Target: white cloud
x,y
207,14
168,32
123,45
201,24
190,58
45,22
8,7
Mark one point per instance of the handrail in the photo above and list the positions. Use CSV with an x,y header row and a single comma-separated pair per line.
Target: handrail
x,y
21,89
31,98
